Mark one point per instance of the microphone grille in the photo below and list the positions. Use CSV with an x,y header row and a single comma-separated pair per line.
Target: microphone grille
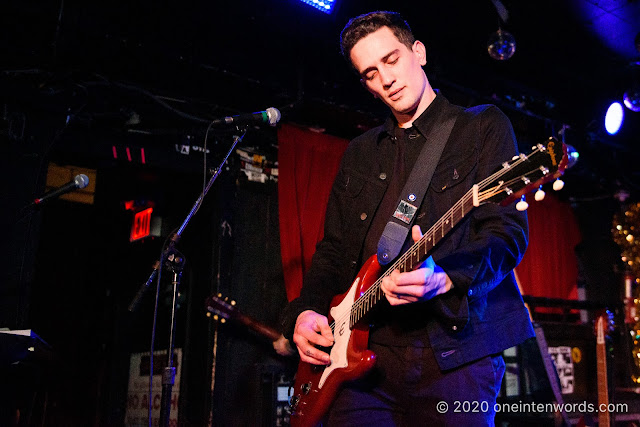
x,y
273,115
81,180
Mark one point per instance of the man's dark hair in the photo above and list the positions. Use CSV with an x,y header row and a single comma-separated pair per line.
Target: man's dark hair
x,y
363,25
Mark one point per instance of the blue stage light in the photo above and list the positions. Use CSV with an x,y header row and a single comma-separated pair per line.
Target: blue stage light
x,y
613,119
325,6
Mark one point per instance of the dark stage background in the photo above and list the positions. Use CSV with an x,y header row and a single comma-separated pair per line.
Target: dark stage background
x,y
80,81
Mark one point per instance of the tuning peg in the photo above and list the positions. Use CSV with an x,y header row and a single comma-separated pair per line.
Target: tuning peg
x,y
522,205
558,184
223,320
539,196
232,302
215,317
220,295
208,314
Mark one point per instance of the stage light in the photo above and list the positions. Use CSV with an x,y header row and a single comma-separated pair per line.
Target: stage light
x,y
614,118
325,6
631,97
632,100
501,45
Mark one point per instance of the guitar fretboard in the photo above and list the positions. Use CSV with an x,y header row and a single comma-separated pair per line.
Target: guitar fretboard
x,y
414,256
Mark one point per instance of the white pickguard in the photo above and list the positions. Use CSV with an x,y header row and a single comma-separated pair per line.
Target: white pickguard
x,y
341,333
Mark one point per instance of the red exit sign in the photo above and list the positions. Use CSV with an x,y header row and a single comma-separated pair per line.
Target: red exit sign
x,y
141,226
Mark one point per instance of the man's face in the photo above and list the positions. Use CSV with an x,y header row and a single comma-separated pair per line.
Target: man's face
x,y
391,71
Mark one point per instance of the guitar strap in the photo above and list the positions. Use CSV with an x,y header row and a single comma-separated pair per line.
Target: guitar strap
x,y
396,231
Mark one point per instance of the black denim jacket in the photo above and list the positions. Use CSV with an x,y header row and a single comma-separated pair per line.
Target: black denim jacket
x,y
484,313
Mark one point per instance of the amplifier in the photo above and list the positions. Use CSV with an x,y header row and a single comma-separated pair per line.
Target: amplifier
x,y
572,349
276,380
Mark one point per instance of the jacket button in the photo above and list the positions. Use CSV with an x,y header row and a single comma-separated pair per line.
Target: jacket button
x,y
470,292
454,327
383,176
363,216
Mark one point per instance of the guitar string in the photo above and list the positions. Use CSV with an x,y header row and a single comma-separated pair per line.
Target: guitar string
x,y
360,301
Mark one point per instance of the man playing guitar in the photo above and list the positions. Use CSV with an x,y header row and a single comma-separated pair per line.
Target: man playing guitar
x,y
439,332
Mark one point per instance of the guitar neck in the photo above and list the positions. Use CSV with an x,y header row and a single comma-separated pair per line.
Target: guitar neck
x,y
521,174
604,418
416,254
260,328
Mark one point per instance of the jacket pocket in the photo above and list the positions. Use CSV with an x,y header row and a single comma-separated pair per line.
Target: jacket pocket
x,y
353,183
453,170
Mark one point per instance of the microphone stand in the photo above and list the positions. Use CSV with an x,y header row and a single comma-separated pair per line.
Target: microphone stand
x,y
175,237
176,264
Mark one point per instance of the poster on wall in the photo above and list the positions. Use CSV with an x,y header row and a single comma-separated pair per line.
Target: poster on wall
x,y
137,414
564,365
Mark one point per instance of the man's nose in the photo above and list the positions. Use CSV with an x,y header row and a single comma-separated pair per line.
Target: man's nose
x,y
387,78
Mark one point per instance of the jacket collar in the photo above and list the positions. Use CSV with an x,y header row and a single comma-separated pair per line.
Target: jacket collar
x,y
423,123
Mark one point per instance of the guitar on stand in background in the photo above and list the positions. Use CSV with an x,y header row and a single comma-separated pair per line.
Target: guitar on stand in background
x,y
603,327
223,309
275,379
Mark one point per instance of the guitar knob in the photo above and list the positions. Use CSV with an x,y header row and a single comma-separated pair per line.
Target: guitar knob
x,y
539,196
306,388
558,184
293,401
522,205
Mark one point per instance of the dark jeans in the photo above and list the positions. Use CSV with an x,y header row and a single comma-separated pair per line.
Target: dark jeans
x,y
406,388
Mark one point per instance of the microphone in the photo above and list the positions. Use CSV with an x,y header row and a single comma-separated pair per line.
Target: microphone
x,y
270,115
80,181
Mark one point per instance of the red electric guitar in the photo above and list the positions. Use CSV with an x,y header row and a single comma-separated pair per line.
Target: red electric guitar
x,y
316,386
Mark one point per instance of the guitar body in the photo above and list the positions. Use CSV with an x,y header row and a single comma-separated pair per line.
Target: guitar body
x,y
316,386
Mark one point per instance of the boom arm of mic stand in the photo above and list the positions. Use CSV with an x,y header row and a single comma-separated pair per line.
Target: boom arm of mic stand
x,y
175,238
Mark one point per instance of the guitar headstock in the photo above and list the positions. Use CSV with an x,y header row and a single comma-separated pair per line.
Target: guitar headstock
x,y
524,173
221,308
604,325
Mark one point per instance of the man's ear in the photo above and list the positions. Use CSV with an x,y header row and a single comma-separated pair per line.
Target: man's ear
x,y
420,51
364,85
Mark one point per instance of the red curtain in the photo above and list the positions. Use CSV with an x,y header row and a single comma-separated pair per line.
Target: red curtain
x,y
549,267
307,165
308,162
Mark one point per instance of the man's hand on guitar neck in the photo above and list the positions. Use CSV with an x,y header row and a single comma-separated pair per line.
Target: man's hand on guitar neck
x,y
312,329
417,285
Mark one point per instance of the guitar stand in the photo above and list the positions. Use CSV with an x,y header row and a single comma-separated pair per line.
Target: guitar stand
x,y
175,264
